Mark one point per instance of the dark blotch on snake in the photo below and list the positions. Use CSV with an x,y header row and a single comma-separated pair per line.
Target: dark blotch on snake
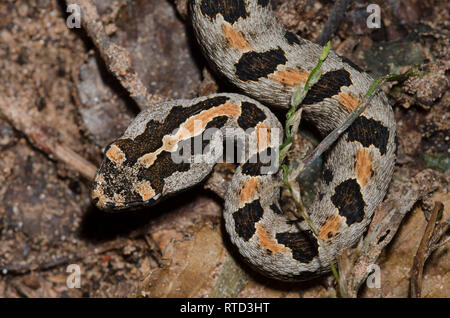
x,y
369,132
303,244
245,219
329,84
251,115
253,167
162,168
254,65
304,276
263,3
292,38
231,10
192,144
348,200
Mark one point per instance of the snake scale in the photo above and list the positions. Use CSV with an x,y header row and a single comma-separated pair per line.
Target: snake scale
x,y
246,44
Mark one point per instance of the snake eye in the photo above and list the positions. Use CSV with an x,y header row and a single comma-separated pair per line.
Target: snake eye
x,y
105,150
153,200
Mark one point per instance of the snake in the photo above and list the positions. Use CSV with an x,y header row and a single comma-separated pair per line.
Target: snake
x,y
244,43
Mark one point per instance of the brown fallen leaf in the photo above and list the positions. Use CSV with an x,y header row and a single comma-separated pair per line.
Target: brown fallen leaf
x,y
189,266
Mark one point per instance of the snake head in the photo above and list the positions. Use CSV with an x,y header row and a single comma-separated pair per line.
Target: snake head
x,y
121,182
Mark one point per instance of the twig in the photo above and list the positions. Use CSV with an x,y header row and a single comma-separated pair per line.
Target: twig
x,y
14,112
333,21
116,58
155,250
420,258
60,261
440,230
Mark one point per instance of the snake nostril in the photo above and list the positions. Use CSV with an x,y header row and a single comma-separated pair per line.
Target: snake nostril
x,y
110,206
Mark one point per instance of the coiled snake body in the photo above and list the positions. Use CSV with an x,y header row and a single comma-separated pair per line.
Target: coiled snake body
x,y
245,42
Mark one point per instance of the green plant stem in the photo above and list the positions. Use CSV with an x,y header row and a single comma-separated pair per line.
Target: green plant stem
x,y
297,99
